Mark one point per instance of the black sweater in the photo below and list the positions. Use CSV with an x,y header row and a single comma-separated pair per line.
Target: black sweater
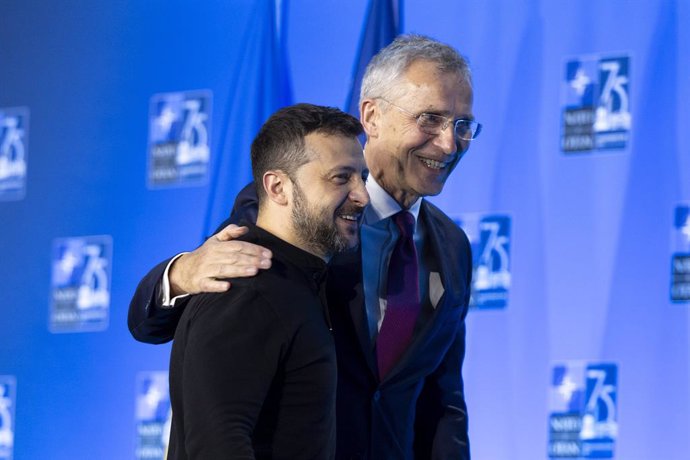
x,y
253,370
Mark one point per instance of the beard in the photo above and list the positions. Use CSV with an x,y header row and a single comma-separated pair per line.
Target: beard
x,y
315,226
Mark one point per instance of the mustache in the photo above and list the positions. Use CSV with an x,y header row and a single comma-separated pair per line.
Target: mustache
x,y
351,208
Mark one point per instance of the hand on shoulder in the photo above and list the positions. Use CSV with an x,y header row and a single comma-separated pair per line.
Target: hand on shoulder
x,y
207,268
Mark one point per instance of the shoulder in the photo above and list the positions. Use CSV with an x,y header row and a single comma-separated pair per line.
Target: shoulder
x,y
447,240
284,290
290,292
240,304
448,229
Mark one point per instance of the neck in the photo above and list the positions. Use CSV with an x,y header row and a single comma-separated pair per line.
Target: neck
x,y
376,161
281,226
403,198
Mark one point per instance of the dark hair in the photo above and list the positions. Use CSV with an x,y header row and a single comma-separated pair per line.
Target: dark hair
x,y
280,142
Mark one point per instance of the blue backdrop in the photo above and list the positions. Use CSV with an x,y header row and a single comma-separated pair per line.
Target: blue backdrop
x,y
591,238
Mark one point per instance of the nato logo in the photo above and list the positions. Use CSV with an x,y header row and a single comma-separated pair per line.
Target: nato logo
x,y
489,236
153,415
596,113
7,400
179,141
680,260
14,131
583,420
81,284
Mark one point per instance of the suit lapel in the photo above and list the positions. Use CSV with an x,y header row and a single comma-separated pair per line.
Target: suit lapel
x,y
445,288
445,260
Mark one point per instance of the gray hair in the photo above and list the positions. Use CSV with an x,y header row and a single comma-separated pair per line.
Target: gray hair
x,y
391,62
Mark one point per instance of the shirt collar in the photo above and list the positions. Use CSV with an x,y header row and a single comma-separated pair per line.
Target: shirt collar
x,y
382,205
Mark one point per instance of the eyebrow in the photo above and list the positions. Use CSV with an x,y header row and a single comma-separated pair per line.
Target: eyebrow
x,y
343,168
445,113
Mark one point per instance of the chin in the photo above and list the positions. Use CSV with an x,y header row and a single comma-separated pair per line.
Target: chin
x,y
352,247
351,240
428,186
353,243
434,192
430,190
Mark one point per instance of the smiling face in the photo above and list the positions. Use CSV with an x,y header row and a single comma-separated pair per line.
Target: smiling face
x,y
329,194
406,162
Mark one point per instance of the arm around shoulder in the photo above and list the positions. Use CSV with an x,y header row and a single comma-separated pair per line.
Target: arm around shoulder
x,y
206,269
148,320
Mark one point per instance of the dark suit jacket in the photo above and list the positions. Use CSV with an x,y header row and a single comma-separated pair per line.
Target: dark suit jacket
x,y
420,405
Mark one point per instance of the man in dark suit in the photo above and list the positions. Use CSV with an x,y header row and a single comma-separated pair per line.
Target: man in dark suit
x,y
399,306
253,369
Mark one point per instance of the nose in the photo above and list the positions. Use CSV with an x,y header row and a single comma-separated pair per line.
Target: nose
x,y
446,140
358,194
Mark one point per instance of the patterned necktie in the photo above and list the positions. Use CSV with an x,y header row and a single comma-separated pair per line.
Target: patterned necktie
x,y
402,297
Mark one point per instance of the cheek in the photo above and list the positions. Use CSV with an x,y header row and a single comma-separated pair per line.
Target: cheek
x,y
398,148
400,138
410,147
412,138
332,201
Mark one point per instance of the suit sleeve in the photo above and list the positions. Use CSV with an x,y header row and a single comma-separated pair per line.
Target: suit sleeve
x,y
441,421
230,359
451,440
245,208
147,320
441,427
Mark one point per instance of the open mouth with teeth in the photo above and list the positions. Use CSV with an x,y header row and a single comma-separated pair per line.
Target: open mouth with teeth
x,y
354,217
350,214
433,164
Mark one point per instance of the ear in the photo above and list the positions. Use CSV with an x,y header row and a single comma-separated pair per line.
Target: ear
x,y
369,116
277,186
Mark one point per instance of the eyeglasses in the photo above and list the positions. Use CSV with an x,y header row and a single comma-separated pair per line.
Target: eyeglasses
x,y
434,124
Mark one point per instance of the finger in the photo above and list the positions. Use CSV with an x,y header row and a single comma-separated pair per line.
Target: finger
x,y
230,232
245,266
249,249
213,285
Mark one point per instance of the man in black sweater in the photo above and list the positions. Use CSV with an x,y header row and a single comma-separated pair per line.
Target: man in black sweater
x,y
253,369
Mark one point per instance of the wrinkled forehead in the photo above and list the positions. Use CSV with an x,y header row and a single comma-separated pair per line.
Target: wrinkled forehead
x,y
426,79
444,94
